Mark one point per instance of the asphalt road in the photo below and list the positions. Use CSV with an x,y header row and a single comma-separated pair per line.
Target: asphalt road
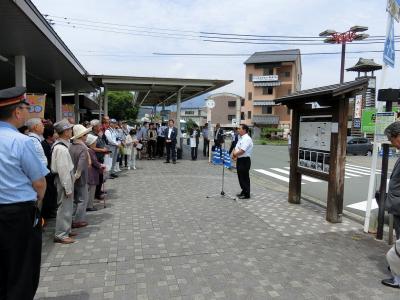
x,y
272,163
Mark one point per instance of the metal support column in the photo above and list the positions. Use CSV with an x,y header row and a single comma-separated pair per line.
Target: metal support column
x,y
76,107
58,100
105,101
178,117
20,71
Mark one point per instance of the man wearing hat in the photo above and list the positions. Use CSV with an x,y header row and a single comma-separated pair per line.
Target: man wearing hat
x,y
63,168
22,187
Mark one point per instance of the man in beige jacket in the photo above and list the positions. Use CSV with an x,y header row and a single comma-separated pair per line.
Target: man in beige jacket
x,y
62,167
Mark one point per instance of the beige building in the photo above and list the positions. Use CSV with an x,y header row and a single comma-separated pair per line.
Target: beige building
x,y
228,107
270,75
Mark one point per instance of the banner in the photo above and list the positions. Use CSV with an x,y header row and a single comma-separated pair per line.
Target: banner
x,y
389,51
68,110
37,105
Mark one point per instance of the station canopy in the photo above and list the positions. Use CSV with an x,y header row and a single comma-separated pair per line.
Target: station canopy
x,y
25,32
152,91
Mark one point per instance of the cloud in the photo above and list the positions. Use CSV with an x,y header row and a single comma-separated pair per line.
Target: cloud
x,y
122,54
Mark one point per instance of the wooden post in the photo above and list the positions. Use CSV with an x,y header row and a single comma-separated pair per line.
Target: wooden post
x,y
295,177
337,161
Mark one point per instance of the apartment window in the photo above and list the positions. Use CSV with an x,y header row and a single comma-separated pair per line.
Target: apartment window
x,y
231,117
250,96
231,103
189,112
266,110
242,115
250,77
287,74
242,102
268,71
267,90
249,114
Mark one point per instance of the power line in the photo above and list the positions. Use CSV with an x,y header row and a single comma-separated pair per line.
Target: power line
x,y
272,54
200,33
217,40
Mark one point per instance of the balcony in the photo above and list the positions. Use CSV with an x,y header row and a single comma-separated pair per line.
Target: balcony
x,y
266,119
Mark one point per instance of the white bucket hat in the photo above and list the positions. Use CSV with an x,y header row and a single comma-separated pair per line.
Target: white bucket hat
x,y
91,139
79,131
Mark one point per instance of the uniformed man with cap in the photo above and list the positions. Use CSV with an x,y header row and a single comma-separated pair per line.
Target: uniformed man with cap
x,y
22,187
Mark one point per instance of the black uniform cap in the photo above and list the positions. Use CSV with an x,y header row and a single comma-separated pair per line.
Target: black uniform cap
x,y
13,96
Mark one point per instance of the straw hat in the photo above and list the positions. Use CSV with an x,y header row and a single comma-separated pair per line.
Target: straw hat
x,y
91,139
79,131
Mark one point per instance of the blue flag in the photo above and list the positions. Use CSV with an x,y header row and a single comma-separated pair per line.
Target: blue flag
x,y
389,52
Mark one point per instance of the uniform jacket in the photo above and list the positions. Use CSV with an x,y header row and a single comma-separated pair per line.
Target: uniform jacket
x,y
393,195
174,134
80,158
62,165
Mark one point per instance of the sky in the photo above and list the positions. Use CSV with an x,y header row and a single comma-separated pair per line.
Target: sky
x,y
102,48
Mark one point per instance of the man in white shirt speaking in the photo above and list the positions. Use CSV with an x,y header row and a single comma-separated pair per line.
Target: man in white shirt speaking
x,y
242,154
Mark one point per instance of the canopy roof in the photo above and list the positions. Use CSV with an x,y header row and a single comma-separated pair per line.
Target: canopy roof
x,y
365,65
24,31
324,95
156,90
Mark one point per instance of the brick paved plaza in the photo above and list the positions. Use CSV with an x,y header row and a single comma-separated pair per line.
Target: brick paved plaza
x,y
161,238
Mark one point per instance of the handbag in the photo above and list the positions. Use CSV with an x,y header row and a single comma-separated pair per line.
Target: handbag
x,y
108,162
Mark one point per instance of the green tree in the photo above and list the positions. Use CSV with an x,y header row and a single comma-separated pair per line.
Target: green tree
x,y
190,124
120,106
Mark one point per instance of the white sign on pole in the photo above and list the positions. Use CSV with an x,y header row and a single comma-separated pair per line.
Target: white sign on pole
x,y
383,120
210,103
234,122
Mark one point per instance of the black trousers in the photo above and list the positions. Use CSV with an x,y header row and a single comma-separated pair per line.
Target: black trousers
x,y
396,225
20,251
171,151
206,144
99,186
243,170
49,208
160,146
151,148
193,151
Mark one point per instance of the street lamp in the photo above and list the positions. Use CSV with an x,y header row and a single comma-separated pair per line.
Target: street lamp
x,y
334,37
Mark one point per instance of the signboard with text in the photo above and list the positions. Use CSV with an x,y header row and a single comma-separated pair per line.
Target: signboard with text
x,y
383,120
315,142
37,105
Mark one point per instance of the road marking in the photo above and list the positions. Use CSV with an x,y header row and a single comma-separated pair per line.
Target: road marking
x,y
276,176
363,205
360,167
347,177
308,178
348,173
357,171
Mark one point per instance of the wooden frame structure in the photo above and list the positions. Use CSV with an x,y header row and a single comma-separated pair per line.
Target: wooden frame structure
x,y
332,101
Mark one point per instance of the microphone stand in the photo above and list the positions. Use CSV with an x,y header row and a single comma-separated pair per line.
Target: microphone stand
x,y
222,194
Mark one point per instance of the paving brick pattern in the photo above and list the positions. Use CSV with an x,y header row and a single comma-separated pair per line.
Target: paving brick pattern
x,y
161,238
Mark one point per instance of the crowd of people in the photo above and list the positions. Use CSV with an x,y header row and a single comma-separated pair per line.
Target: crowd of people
x,y
57,170
81,157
